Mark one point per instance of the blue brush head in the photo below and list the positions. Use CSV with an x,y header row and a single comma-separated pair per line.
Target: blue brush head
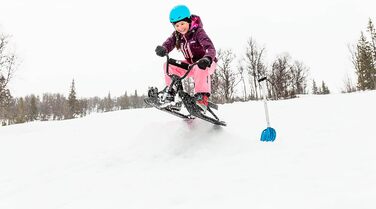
x,y
268,135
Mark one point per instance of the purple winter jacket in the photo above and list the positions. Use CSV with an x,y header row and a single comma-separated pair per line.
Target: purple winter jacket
x,y
199,44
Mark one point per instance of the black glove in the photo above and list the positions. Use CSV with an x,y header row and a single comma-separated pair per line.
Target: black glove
x,y
160,51
203,63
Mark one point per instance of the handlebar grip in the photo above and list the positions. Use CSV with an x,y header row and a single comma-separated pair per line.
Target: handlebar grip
x,y
261,79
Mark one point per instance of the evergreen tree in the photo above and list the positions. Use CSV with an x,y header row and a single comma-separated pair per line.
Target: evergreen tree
x,y
372,32
365,66
5,100
108,103
72,101
314,88
324,88
8,62
33,109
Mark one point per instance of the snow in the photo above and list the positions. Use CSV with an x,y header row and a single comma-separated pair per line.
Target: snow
x,y
323,157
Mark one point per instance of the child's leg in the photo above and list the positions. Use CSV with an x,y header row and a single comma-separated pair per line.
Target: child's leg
x,y
173,70
202,78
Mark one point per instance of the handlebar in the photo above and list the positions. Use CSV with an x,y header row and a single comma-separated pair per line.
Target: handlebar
x,y
176,78
183,65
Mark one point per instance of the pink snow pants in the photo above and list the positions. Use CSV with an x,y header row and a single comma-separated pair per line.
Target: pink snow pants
x,y
201,77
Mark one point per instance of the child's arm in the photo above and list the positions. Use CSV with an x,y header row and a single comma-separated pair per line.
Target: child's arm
x,y
206,43
169,44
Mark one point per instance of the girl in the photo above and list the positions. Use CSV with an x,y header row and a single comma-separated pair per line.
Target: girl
x,y
191,39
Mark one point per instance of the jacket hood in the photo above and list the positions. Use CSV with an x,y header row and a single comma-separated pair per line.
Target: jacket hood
x,y
196,22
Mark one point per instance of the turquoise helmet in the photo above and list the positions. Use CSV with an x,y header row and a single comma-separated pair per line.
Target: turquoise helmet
x,y
178,13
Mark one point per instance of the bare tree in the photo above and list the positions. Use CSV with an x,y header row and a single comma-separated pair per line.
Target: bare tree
x,y
349,86
122,102
254,65
215,87
354,57
242,79
299,73
226,74
280,77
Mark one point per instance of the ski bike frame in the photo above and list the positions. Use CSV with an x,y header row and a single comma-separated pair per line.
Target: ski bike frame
x,y
176,80
189,101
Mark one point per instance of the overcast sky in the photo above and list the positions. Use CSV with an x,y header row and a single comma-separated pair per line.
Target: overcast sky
x,y
108,45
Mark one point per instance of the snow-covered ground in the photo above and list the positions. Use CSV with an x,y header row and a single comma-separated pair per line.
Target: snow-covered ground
x,y
324,157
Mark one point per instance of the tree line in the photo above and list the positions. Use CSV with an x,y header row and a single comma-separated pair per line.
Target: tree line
x,y
58,107
286,79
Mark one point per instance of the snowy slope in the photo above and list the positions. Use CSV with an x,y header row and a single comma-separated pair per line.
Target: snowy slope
x,y
324,157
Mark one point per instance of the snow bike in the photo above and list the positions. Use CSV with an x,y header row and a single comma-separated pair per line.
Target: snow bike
x,y
157,98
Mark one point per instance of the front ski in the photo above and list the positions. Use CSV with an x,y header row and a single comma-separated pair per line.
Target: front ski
x,y
195,110
209,119
153,101
189,103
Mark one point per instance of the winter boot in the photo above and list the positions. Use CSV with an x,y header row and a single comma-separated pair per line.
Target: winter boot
x,y
170,95
172,100
202,101
176,106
